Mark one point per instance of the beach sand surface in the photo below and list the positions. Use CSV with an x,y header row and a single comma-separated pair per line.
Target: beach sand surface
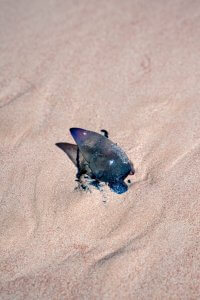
x,y
133,68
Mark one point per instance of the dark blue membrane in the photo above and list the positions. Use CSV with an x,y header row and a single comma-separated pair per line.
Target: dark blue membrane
x,y
118,187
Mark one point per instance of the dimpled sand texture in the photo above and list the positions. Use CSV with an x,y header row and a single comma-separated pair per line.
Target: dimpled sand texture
x,y
131,67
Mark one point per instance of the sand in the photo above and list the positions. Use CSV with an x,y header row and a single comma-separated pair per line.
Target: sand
x,y
133,68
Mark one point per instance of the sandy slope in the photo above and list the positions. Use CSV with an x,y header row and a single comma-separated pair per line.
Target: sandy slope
x,y
133,68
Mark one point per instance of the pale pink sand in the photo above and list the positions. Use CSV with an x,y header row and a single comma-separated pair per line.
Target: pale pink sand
x,y
133,68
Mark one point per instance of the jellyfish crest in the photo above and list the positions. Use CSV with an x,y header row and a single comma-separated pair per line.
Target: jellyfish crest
x,y
90,143
70,150
107,161
75,156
